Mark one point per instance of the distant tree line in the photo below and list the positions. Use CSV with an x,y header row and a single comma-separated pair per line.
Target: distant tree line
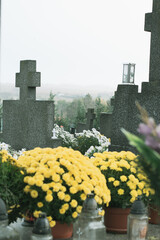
x,y
71,113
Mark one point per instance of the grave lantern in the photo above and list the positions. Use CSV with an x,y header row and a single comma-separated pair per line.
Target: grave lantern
x,y
26,229
128,73
137,224
89,224
41,229
6,232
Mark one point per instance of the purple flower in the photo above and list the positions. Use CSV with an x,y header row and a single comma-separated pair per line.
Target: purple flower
x,y
152,142
158,131
144,129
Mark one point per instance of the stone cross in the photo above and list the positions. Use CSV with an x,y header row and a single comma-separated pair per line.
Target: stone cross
x,y
90,117
152,24
28,123
28,79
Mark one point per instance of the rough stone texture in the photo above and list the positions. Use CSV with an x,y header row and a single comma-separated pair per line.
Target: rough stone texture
x,y
152,24
105,124
124,115
80,127
28,123
90,115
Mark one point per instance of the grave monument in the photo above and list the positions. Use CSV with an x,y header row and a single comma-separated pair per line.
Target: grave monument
x,y
90,115
28,123
125,113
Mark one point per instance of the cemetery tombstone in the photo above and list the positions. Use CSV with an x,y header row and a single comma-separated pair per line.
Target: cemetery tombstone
x,y
28,123
90,115
125,113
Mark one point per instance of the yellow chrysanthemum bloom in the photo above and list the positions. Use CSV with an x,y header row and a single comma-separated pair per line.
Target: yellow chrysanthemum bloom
x,y
83,196
120,191
38,183
73,190
45,187
134,193
61,195
74,203
116,183
27,189
141,185
34,193
49,218
123,178
65,206
49,198
36,214
52,223
111,179
67,198
79,209
40,204
62,211
74,214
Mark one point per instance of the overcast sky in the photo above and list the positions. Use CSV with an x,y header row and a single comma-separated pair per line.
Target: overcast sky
x,y
80,42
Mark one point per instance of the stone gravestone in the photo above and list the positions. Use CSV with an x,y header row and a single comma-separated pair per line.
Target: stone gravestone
x,y
28,123
125,113
90,115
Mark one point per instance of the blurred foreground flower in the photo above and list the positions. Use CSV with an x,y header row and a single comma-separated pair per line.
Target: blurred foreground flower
x,y
149,148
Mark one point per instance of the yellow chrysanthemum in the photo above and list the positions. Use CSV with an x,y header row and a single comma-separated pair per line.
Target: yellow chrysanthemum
x,y
134,193
34,193
120,191
52,223
73,190
62,211
111,179
79,209
45,187
61,195
40,204
48,198
74,203
123,178
83,196
67,198
74,214
116,183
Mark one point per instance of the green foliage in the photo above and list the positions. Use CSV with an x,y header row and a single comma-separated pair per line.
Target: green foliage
x,y
67,113
84,143
51,96
11,185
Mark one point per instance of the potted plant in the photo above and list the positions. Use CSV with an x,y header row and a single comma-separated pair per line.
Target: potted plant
x,y
125,182
57,182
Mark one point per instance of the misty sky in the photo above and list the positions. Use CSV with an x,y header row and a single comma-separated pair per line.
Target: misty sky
x,y
80,42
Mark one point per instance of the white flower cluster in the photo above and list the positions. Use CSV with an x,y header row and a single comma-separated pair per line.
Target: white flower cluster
x,y
68,139
103,141
15,154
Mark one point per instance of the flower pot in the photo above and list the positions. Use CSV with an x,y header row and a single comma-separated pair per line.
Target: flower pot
x,y
62,231
154,215
115,219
